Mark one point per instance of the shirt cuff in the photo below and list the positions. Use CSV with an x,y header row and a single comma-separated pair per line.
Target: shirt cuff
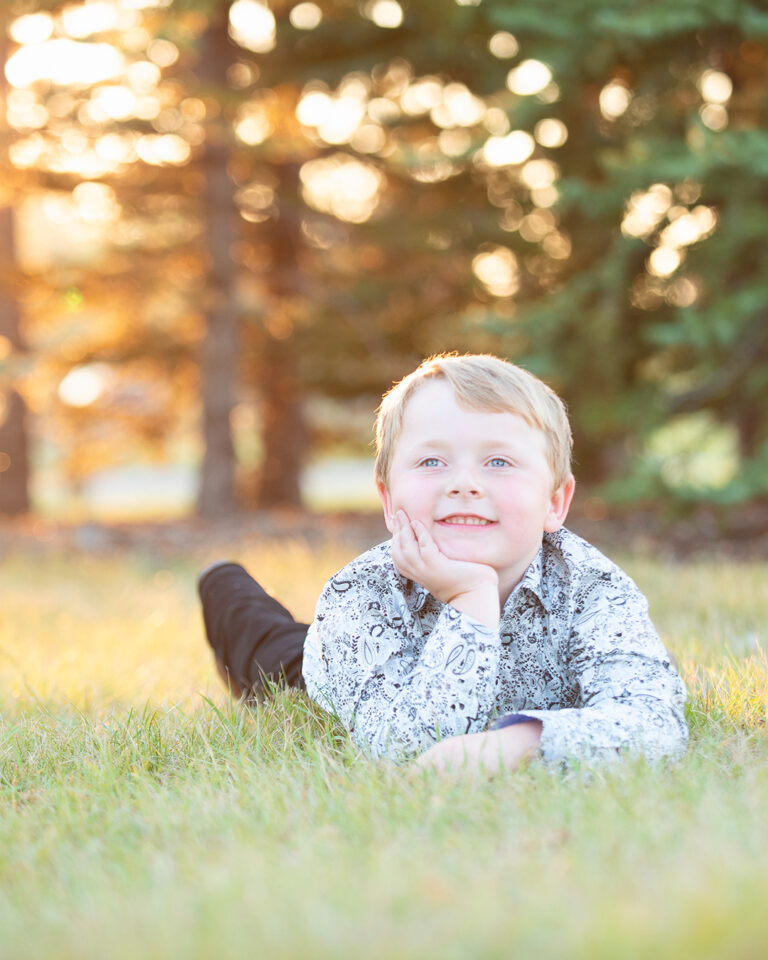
x,y
510,719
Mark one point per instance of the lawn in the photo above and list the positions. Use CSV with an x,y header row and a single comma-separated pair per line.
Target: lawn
x,y
143,815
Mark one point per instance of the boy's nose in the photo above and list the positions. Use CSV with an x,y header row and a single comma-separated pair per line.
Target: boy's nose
x,y
463,483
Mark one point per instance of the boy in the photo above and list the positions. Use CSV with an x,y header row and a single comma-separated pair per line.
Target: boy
x,y
481,607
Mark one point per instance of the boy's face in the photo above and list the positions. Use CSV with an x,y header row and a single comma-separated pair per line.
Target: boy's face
x,y
480,482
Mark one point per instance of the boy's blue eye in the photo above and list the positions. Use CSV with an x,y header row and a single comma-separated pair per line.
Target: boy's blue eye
x,y
429,462
499,462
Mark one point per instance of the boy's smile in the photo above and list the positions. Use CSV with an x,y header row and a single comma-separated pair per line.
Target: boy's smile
x,y
471,520
480,482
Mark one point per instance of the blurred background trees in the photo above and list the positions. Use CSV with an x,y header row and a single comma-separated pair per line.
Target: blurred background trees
x,y
237,223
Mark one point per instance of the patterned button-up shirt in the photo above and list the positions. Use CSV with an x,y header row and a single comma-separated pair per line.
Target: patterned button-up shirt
x,y
575,649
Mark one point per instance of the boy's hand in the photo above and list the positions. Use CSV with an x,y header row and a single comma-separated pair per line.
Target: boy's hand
x,y
470,587
483,753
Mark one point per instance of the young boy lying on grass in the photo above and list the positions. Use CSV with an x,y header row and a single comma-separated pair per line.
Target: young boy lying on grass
x,y
483,632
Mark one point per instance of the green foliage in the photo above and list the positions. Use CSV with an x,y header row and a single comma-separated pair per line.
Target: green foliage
x,y
608,334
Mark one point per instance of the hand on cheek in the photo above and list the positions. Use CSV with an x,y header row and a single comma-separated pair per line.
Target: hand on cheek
x,y
470,587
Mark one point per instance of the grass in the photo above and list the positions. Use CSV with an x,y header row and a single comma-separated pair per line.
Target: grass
x,y
143,815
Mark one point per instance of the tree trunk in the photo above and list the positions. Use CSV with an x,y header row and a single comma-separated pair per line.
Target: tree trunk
x,y
14,452
283,423
220,354
283,426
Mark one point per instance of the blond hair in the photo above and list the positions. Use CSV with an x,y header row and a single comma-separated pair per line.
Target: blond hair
x,y
485,383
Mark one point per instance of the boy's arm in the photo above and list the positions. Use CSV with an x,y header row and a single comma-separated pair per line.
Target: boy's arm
x,y
630,697
486,752
397,689
472,588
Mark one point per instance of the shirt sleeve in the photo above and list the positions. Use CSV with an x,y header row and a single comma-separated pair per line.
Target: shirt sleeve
x,y
397,689
631,698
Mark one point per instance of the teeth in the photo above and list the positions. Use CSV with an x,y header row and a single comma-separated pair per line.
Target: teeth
x,y
469,521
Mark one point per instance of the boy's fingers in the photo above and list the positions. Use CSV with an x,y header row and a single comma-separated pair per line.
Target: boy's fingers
x,y
408,548
408,536
422,534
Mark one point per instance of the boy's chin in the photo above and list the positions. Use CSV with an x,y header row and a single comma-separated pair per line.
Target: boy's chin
x,y
460,551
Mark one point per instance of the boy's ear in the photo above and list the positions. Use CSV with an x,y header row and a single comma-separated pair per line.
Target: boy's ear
x,y
386,502
559,504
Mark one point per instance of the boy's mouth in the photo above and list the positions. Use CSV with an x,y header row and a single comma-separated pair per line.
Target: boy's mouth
x,y
467,520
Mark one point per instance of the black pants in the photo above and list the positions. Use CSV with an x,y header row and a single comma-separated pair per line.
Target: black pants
x,y
253,637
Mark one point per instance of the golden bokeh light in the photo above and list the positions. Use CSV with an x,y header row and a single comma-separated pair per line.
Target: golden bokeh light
x,y
454,143
113,102
529,77
355,85
65,63
252,25
384,13
116,149
253,124
163,149
503,45
193,109
59,207
512,149
31,29
255,201
556,245
369,138
343,186
24,112
464,108
83,20
313,107
497,269
146,4
615,98
143,76
687,227
646,209
342,120
496,122
26,152
683,292
306,16
545,197
715,86
551,133
421,96
537,174
336,117
383,110
644,214
83,385
663,261
163,53
714,116
96,202
537,225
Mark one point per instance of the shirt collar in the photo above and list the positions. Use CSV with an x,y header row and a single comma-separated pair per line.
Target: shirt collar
x,y
534,581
